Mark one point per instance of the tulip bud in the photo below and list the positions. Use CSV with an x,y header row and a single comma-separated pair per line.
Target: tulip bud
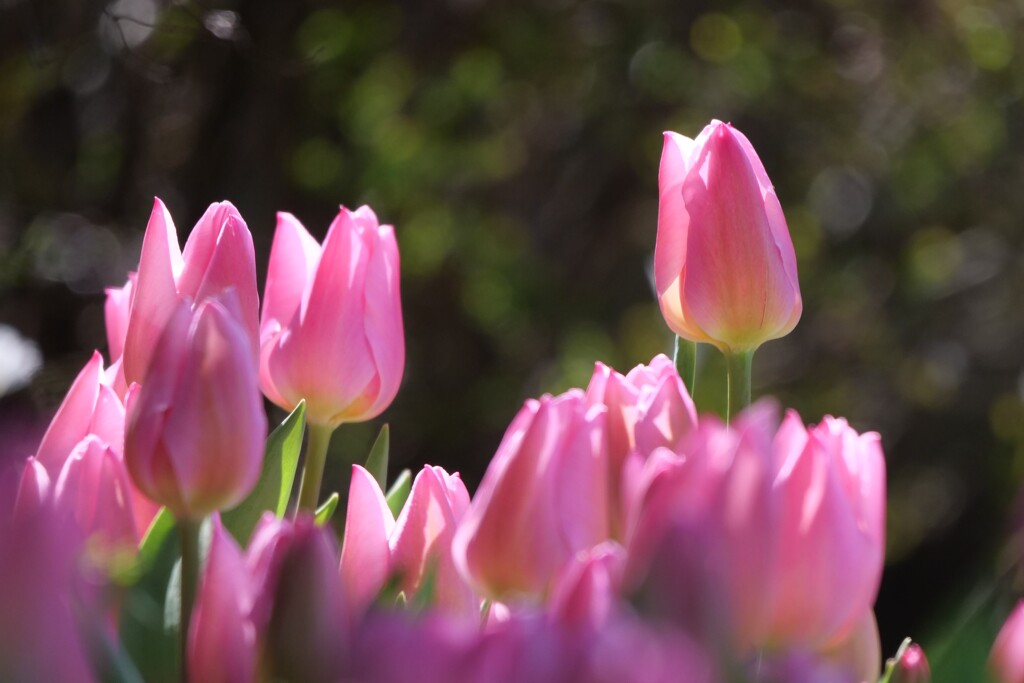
x,y
912,667
331,331
1007,659
218,256
195,432
830,534
222,645
365,554
543,498
724,264
34,490
94,488
298,603
116,313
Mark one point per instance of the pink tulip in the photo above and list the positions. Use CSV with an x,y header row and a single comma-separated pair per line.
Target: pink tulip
x,y
416,550
222,639
299,609
94,489
543,498
912,667
830,531
724,264
218,256
859,651
1007,659
34,490
587,591
365,553
421,544
116,314
195,432
331,331
648,408
91,406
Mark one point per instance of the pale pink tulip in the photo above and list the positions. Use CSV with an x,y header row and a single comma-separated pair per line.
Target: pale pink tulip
x,y
222,639
218,256
116,313
543,498
1007,659
331,331
830,531
724,264
94,489
91,406
195,431
588,590
365,553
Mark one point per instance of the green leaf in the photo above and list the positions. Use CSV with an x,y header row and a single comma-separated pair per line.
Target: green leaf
x,y
377,461
141,629
274,488
326,511
398,492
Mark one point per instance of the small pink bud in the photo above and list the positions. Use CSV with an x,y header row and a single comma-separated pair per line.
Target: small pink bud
x,y
218,256
331,331
222,639
195,432
724,264
543,498
912,667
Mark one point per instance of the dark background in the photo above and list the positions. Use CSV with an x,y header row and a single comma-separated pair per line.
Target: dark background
x,y
515,147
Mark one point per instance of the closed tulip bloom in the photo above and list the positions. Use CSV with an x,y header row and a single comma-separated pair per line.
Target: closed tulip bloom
x,y
331,331
222,639
218,255
543,498
365,553
724,264
195,431
94,489
1007,659
912,666
830,532
116,313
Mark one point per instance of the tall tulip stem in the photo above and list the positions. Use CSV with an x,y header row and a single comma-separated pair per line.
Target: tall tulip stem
x,y
188,530
313,470
684,355
738,367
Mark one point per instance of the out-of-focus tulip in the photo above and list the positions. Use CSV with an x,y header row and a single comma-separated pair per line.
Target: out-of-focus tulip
x,y
195,431
34,489
1007,659
331,331
222,639
859,651
830,534
299,608
91,406
648,408
724,264
912,666
218,255
543,498
94,489
416,550
587,591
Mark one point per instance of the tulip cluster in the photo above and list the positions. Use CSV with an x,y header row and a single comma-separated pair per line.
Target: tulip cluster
x,y
617,535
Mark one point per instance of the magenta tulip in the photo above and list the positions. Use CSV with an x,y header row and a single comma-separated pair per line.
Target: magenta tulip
x,y
543,498
331,331
222,639
912,666
218,256
724,264
1007,659
195,432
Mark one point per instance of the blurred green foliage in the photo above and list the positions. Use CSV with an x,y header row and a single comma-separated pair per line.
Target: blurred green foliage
x,y
515,148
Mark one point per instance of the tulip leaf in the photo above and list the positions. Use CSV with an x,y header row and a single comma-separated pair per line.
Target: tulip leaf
x,y
274,488
398,492
326,511
377,461
152,648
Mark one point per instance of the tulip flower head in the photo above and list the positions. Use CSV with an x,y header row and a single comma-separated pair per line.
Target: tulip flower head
x,y
724,264
195,431
331,331
1007,659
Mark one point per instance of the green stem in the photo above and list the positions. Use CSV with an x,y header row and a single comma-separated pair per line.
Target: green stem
x,y
313,470
189,532
738,367
684,355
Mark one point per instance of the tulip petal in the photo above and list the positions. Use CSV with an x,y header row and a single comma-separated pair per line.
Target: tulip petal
x,y
365,553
